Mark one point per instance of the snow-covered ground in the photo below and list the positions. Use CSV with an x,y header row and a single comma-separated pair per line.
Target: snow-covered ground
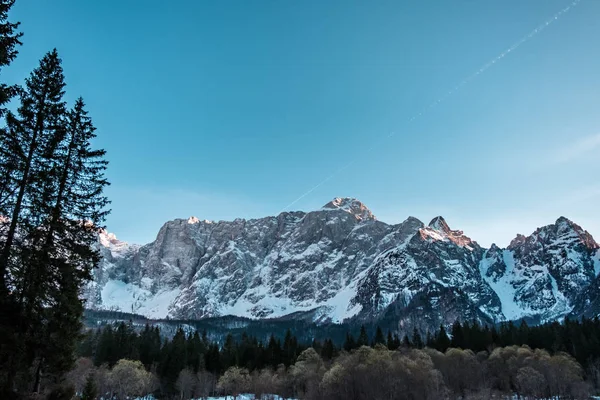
x,y
239,397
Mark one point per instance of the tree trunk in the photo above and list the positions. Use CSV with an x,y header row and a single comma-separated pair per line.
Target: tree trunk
x,y
38,376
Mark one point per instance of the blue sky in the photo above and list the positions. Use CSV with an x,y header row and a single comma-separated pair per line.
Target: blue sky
x,y
237,108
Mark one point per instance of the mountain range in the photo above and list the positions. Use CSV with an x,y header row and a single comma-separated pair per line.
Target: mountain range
x,y
340,264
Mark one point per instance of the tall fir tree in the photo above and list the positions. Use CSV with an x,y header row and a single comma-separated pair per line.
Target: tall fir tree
x,y
31,135
9,40
349,343
442,341
290,347
390,341
64,256
53,214
379,338
417,340
457,335
90,390
363,338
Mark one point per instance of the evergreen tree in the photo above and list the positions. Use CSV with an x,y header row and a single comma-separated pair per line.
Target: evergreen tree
x,y
406,341
390,341
523,332
51,205
90,391
363,338
105,350
442,342
212,359
417,341
429,340
273,352
149,345
229,353
379,338
9,40
328,349
349,343
75,205
457,335
30,139
86,345
290,348
477,337
195,352
174,358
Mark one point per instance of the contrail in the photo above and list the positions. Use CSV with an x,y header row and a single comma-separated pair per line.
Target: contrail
x,y
469,78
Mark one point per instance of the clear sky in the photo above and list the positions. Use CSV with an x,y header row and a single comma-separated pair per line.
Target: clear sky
x,y
224,109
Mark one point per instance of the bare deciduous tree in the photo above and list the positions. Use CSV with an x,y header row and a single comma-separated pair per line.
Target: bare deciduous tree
x,y
186,383
206,383
234,381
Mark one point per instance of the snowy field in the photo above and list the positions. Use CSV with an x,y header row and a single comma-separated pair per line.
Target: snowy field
x,y
275,397
240,397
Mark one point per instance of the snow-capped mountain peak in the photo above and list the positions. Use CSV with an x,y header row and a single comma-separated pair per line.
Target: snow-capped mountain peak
x,y
193,220
351,206
115,246
568,229
438,230
439,224
517,241
339,262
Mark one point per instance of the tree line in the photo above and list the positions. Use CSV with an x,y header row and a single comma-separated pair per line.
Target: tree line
x,y
51,207
472,361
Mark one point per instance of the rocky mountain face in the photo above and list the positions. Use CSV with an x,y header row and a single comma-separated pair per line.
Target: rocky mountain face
x,y
340,263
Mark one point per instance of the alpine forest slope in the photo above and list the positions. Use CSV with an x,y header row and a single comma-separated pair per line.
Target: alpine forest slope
x,y
340,264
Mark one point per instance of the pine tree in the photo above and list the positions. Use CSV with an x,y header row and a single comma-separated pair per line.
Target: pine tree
x,y
378,339
406,341
349,343
290,345
212,359
328,350
105,349
273,352
429,340
174,358
90,391
417,340
52,208
9,40
229,353
457,335
195,351
442,341
363,338
75,205
31,136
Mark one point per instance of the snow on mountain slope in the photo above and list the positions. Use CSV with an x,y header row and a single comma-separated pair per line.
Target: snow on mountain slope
x,y
502,282
542,275
127,297
340,262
